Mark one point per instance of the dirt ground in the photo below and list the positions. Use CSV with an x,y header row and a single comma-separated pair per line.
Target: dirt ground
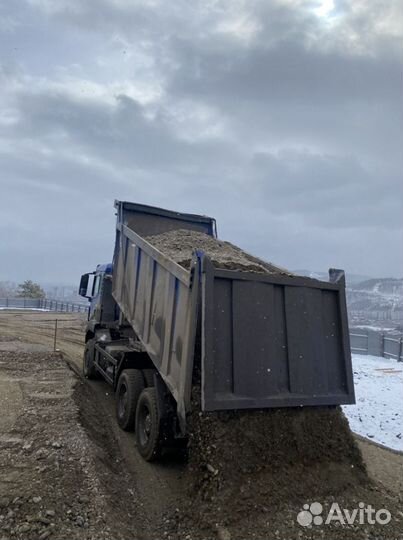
x,y
384,466
63,445
68,471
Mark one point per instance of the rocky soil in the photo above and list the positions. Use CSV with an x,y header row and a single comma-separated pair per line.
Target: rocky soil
x,y
57,478
67,471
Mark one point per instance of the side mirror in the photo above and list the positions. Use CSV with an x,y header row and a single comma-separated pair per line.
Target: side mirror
x,y
82,291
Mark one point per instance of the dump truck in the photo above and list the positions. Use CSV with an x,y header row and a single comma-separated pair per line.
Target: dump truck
x,y
247,340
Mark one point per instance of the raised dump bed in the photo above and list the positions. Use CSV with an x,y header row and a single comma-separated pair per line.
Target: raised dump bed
x,y
267,338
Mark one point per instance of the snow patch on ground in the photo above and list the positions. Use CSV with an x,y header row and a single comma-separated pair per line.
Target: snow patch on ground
x,y
23,309
370,327
378,413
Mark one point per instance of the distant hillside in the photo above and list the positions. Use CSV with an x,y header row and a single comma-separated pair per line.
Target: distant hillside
x,y
370,300
378,299
351,279
381,285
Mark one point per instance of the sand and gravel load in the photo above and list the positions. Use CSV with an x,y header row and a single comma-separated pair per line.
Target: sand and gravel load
x,y
180,244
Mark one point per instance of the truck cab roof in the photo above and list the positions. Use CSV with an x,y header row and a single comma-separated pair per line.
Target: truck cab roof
x,y
104,268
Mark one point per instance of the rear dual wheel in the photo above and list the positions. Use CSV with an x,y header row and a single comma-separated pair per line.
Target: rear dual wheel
x,y
137,408
129,388
148,426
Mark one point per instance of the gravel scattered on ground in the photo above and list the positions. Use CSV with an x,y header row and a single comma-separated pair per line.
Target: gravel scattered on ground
x,y
53,479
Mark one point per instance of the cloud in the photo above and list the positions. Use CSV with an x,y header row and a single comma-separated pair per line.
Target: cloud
x,y
281,119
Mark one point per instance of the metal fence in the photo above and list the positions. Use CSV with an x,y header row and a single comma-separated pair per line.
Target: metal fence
x,y
363,341
43,303
60,305
376,343
395,314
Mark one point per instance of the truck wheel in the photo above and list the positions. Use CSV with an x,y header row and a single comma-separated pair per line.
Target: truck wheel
x,y
128,390
148,436
89,369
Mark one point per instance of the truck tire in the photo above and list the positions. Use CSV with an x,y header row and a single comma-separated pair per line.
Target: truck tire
x,y
149,376
128,390
148,434
89,369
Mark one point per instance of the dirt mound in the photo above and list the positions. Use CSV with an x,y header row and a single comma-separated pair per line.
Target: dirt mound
x,y
250,474
179,245
251,471
248,462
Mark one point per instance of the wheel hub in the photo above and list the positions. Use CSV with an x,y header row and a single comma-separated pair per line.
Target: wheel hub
x,y
147,425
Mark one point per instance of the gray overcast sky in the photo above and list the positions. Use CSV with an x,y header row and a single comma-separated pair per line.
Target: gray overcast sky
x,y
282,119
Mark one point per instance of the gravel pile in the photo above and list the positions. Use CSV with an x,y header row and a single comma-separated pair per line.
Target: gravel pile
x,y
250,472
179,245
253,463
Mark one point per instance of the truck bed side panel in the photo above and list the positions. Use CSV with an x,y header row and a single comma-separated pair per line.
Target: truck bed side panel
x,y
159,300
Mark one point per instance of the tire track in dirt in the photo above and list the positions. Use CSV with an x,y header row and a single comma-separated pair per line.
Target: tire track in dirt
x,y
53,479
158,487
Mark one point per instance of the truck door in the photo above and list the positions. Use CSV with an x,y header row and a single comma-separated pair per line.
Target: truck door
x,y
94,312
